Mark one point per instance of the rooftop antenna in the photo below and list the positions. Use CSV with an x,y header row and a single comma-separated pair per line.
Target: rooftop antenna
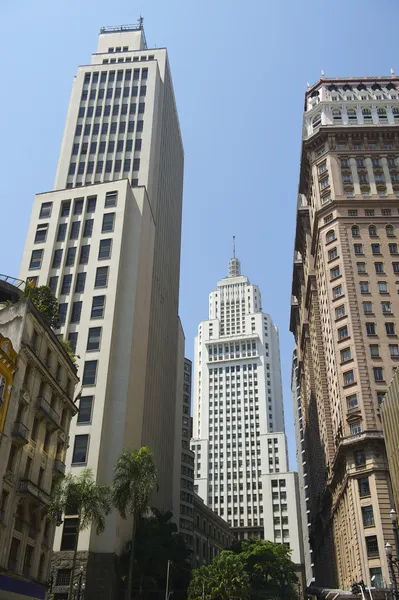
x,y
140,21
234,246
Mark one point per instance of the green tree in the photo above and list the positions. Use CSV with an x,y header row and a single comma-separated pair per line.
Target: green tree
x,y
82,496
224,579
45,302
269,566
135,478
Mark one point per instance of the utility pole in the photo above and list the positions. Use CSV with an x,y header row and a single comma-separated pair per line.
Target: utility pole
x,y
167,581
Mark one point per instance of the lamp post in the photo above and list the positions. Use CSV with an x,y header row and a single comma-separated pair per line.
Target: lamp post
x,y
393,564
80,587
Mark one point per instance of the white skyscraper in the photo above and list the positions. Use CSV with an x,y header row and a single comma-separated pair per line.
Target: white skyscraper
x,y
107,242
241,464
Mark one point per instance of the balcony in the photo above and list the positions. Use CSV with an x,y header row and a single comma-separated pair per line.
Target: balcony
x,y
59,466
45,409
26,486
20,433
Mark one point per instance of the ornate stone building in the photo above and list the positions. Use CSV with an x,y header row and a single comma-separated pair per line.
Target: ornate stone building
x,y
344,312
36,413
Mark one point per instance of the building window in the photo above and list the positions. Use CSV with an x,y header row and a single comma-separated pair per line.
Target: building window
x,y
356,428
80,283
63,577
346,355
393,248
73,340
71,254
335,272
378,374
382,287
373,231
84,255
333,253
65,208
364,287
108,222
78,206
376,248
337,291
343,332
97,307
45,210
361,267
390,231
355,231
61,232
351,401
105,249
379,267
76,312
36,259
372,546
360,458
88,229
394,350
90,372
85,409
91,204
358,249
101,277
69,533
368,516
390,328
66,284
41,233
53,282
374,351
364,486
62,311
349,377
376,577
340,312
386,307
93,339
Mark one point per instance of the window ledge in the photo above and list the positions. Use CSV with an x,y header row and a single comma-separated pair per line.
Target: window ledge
x,y
330,260
336,278
340,318
344,339
348,385
338,298
346,362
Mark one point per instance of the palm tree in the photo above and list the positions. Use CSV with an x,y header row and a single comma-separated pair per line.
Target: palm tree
x,y
82,496
135,478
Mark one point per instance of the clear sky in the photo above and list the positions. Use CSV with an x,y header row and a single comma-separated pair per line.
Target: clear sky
x,y
240,71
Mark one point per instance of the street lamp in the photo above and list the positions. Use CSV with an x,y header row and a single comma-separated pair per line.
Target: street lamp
x,y
393,563
80,587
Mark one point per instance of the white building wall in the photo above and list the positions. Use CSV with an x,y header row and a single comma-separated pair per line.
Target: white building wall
x,y
238,433
134,392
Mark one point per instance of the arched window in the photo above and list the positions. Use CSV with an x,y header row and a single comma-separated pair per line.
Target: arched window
x,y
355,231
352,117
367,116
337,115
373,231
390,231
382,115
2,389
330,235
316,121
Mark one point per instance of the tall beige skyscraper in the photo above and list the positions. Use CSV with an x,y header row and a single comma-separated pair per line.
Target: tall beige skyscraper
x,y
107,242
344,315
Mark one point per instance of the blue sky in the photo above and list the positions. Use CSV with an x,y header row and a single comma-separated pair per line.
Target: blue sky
x,y
240,71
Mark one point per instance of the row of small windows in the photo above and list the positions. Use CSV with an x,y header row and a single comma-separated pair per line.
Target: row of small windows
x,y
343,332
352,116
110,76
114,128
389,229
110,166
108,93
107,109
78,205
127,59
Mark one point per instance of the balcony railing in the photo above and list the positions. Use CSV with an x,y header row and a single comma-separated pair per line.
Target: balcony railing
x,y
59,466
20,432
49,412
26,486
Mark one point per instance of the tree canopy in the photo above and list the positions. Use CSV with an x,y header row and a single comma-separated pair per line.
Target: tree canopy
x,y
252,568
45,302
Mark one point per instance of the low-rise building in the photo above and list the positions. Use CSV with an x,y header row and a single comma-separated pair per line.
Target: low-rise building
x,y
211,534
37,407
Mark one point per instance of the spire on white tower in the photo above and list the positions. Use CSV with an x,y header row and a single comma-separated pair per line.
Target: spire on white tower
x,y
234,263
